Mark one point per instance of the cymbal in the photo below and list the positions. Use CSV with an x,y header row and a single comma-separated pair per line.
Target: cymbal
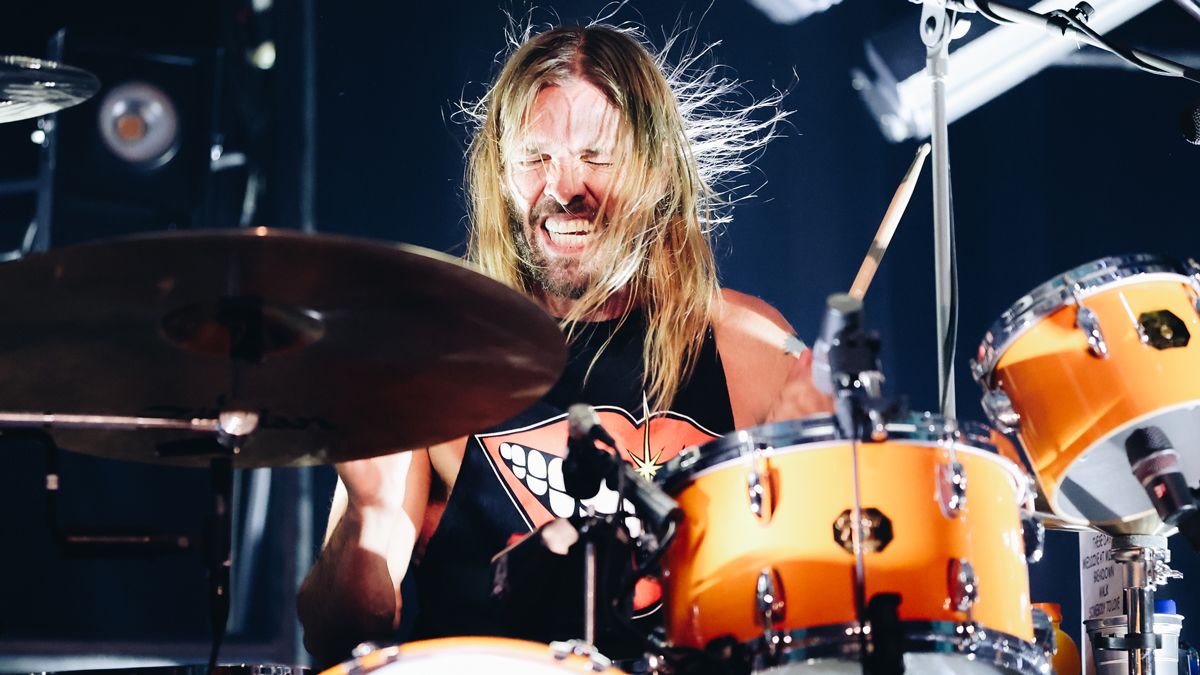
x,y
33,87
347,348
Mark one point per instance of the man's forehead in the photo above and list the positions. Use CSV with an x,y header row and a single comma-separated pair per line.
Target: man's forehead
x,y
576,114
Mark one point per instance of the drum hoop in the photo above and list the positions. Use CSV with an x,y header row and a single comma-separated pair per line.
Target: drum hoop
x,y
839,641
1060,291
924,430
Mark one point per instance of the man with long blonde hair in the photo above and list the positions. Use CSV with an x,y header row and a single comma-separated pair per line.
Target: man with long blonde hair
x,y
590,181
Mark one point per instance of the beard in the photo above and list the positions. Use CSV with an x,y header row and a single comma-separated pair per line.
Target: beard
x,y
564,277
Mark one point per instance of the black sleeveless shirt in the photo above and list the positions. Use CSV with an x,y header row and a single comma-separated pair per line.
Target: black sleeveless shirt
x,y
510,481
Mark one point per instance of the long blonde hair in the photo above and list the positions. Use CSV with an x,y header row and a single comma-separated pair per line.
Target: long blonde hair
x,y
674,145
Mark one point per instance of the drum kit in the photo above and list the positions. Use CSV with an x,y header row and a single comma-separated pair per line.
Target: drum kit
x,y
874,539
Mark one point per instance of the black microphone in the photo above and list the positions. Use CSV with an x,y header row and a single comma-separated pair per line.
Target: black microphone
x,y
586,465
843,313
1155,464
1189,124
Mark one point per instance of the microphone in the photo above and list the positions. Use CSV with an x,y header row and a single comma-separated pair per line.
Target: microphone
x,y
1155,464
586,465
843,313
1189,124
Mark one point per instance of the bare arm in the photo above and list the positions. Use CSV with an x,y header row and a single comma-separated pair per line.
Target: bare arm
x,y
352,593
766,382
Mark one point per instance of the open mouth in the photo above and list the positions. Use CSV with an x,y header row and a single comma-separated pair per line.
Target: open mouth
x,y
542,474
569,234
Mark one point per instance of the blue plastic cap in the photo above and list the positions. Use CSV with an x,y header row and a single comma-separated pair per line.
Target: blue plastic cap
x,y
1165,606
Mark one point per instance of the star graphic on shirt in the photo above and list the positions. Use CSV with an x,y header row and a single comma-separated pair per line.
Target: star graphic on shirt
x,y
646,466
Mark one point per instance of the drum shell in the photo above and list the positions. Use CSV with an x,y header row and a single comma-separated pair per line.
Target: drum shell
x,y
1069,400
500,656
721,550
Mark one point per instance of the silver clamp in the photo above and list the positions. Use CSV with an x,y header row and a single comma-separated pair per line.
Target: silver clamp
x,y
999,410
1085,320
596,661
758,484
769,605
952,488
963,585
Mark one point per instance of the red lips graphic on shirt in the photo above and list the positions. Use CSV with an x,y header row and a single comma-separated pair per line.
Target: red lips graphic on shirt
x,y
528,460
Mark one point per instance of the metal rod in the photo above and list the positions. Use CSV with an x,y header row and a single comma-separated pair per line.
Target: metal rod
x,y
938,63
589,592
74,421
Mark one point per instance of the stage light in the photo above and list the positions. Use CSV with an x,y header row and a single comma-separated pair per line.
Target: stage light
x,y
139,123
791,11
897,91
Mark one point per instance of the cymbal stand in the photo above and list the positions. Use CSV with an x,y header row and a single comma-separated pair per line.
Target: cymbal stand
x,y
231,428
1143,560
234,427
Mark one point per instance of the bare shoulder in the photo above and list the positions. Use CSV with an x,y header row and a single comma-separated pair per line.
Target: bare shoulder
x,y
752,338
747,315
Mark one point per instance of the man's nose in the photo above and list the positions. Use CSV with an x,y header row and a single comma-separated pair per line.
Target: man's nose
x,y
565,183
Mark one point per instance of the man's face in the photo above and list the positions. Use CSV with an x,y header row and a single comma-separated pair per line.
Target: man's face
x,y
559,173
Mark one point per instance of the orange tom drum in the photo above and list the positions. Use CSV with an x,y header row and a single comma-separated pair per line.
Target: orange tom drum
x,y
1078,364
764,555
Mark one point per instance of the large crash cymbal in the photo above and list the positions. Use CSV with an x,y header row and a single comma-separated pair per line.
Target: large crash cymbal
x,y
33,87
348,348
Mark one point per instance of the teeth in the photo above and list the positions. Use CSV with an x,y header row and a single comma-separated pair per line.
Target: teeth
x,y
562,504
556,477
517,457
542,477
573,226
536,480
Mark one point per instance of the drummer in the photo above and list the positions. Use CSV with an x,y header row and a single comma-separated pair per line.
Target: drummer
x,y
590,192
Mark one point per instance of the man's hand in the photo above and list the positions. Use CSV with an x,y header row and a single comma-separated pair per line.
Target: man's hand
x,y
799,397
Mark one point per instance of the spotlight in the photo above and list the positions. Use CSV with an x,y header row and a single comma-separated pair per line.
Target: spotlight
x,y
139,124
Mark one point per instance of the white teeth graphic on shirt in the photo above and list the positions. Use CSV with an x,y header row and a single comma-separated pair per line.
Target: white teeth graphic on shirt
x,y
542,474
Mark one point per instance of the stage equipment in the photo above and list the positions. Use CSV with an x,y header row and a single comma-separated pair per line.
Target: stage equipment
x,y
987,61
1075,367
33,87
343,348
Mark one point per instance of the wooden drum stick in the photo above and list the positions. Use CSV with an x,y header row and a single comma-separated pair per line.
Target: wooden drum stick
x,y
887,228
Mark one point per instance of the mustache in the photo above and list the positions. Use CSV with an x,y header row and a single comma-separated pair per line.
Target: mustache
x,y
548,207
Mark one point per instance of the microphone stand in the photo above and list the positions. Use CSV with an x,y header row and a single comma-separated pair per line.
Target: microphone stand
x,y
937,27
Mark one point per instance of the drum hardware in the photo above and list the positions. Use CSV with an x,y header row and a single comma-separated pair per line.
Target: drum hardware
x,y
1162,330
1085,320
1043,631
770,606
758,483
999,410
952,487
1033,532
597,661
876,530
1143,560
963,584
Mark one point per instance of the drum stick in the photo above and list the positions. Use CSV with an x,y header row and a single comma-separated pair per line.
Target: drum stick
x,y
887,228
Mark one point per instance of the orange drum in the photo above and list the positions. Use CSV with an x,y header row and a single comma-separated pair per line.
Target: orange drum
x,y
1078,364
765,553
500,656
